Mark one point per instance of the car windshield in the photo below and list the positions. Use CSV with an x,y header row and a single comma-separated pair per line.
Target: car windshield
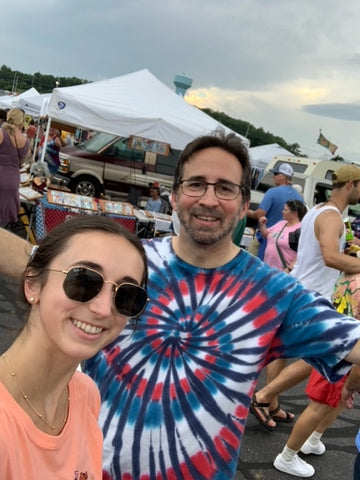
x,y
97,142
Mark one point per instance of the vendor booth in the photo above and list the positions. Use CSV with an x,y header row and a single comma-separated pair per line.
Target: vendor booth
x,y
40,213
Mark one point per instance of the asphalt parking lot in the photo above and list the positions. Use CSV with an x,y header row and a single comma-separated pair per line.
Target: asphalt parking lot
x,y
260,446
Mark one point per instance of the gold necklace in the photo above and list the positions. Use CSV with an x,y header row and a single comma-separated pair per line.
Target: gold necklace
x,y
26,398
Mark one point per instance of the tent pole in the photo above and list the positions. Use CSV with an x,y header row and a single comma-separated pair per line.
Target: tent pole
x,y
36,141
45,140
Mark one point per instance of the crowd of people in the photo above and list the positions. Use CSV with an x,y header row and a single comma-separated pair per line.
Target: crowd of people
x,y
176,385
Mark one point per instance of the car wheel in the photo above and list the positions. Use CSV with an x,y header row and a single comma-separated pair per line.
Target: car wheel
x,y
86,185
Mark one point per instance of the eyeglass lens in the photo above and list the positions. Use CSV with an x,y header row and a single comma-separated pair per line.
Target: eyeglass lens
x,y
197,188
83,284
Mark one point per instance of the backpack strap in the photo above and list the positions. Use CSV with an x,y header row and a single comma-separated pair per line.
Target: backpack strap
x,y
278,248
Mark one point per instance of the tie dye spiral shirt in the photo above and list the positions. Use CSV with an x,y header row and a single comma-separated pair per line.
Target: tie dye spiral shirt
x,y
176,392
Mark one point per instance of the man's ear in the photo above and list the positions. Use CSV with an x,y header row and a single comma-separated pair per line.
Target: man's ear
x,y
244,209
173,199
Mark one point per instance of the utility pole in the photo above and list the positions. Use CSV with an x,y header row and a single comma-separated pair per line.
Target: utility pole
x,y
15,81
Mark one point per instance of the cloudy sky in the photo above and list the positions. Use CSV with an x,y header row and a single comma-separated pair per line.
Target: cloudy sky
x,y
289,66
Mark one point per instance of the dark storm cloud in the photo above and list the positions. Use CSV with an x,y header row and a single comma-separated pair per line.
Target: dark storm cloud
x,y
340,111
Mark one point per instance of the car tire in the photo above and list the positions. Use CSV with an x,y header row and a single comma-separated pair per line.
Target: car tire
x,y
86,185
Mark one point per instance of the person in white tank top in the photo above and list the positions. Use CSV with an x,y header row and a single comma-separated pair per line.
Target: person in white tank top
x,y
310,267
320,259
320,256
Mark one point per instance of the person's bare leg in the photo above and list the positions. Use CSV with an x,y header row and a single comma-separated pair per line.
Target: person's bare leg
x,y
290,376
305,435
272,371
328,419
316,417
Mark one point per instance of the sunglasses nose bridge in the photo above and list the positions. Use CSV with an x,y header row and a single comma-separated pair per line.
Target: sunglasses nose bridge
x,y
103,301
115,286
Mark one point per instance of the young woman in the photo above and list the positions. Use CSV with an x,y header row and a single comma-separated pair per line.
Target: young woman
x,y
281,245
81,296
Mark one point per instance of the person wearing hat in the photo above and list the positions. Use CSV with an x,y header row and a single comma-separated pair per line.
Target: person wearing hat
x,y
320,259
273,202
320,254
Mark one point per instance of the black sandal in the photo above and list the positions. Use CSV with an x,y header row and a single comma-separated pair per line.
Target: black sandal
x,y
277,418
266,417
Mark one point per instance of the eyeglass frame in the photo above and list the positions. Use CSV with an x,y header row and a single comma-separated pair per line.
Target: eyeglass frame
x,y
115,290
206,184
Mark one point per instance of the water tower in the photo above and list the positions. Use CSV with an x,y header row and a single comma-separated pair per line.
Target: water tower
x,y
182,83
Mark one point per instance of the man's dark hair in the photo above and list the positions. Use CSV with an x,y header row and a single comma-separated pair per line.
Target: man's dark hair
x,y
3,114
231,143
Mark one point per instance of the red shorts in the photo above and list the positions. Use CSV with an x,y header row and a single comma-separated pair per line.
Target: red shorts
x,y
322,391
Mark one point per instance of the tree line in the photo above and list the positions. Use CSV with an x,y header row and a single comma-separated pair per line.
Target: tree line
x,y
257,136
15,81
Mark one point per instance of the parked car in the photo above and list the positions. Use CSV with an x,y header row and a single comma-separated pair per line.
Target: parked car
x,y
105,164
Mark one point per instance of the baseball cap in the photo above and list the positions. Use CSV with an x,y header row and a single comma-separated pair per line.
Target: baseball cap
x,y
346,173
284,168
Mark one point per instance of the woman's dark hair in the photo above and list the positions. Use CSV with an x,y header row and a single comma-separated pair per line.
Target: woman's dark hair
x,y
298,207
230,143
56,241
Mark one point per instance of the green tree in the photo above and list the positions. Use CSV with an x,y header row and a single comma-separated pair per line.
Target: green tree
x,y
13,79
257,136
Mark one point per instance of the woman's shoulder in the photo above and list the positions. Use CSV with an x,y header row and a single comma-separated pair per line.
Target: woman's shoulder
x,y
21,139
84,387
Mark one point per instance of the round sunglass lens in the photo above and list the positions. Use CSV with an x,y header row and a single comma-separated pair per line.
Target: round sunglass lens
x,y
82,284
130,300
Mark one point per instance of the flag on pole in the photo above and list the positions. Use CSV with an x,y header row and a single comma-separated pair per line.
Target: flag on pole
x,y
324,142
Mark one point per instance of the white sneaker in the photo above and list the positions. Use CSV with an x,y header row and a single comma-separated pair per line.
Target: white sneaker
x,y
297,467
317,449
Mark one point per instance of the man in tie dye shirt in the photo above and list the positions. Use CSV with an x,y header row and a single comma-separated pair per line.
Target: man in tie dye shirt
x,y
176,391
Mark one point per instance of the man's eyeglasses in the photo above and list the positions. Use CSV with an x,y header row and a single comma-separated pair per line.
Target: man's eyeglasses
x,y
223,190
82,284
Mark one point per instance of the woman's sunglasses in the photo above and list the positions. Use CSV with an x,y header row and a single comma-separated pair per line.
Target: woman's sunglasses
x,y
82,284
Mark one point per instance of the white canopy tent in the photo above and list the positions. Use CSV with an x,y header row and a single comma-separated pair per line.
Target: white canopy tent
x,y
35,106
10,101
134,104
261,156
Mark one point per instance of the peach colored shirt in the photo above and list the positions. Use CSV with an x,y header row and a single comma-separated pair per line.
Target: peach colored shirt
x,y
27,452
